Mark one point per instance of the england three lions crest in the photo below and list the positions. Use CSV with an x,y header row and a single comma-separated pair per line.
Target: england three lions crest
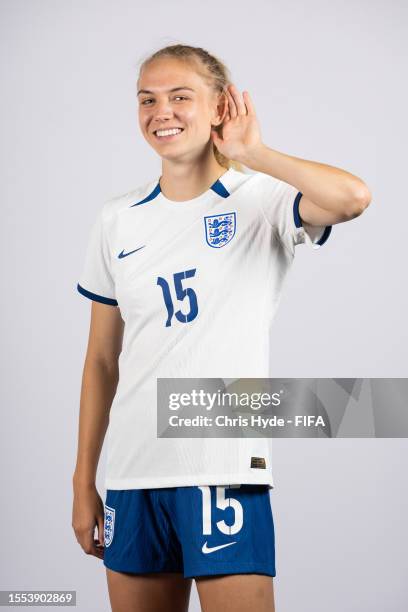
x,y
109,525
220,229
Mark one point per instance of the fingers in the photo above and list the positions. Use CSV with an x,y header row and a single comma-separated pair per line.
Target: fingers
x,y
233,111
238,104
248,103
101,530
98,550
88,543
88,513
93,547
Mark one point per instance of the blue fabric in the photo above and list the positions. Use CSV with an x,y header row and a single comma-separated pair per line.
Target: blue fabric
x,y
186,530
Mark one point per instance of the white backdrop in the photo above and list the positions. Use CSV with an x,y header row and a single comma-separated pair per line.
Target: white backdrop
x,y
327,82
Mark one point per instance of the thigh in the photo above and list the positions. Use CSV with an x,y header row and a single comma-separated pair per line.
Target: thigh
x,y
236,593
148,592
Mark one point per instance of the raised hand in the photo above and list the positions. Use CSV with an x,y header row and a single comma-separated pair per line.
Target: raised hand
x,y
240,129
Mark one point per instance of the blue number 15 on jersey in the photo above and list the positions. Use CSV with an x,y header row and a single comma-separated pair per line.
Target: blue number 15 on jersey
x,y
181,293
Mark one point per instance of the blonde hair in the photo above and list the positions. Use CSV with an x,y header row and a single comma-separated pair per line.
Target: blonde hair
x,y
213,71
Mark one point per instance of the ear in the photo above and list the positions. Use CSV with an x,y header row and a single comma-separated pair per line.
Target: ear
x,y
222,109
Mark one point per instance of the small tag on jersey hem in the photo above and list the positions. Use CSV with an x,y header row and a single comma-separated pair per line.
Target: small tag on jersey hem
x,y
258,462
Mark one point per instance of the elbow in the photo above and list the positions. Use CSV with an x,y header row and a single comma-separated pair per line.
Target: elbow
x,y
359,200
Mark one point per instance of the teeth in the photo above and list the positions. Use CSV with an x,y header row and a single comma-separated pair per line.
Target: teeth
x,y
168,132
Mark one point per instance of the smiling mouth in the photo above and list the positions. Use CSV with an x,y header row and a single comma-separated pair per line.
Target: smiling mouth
x,y
168,137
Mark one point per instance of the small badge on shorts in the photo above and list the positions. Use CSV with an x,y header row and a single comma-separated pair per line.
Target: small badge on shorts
x,y
109,525
258,462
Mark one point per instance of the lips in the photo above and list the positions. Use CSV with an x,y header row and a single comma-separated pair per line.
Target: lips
x,y
170,137
175,127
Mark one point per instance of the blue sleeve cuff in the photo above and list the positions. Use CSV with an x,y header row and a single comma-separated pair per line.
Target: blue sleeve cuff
x,y
95,297
298,221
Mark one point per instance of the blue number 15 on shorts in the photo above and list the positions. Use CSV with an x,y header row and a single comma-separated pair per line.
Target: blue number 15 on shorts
x,y
197,531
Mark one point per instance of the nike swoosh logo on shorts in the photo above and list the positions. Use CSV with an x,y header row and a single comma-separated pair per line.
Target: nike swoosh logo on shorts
x,y
207,550
123,254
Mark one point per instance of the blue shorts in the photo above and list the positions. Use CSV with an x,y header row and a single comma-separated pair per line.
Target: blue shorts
x,y
196,531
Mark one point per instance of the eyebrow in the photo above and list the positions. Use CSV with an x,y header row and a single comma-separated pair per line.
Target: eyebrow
x,y
146,91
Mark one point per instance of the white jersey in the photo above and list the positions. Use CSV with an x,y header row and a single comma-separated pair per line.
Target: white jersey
x,y
198,284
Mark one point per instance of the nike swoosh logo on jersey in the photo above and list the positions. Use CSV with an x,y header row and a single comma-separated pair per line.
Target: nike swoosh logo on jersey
x,y
207,550
123,254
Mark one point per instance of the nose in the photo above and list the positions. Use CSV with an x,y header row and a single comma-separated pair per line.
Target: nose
x,y
163,111
162,118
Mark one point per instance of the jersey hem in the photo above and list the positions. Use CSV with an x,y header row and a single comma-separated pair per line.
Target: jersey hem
x,y
119,484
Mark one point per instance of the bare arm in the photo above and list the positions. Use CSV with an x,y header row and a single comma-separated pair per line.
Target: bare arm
x,y
330,195
99,382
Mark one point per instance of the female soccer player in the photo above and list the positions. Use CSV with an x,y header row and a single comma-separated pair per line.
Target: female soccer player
x,y
185,274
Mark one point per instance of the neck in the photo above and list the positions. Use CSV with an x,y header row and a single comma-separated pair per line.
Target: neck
x,y
187,180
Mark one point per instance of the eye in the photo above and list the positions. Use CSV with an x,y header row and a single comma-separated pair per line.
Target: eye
x,y
149,100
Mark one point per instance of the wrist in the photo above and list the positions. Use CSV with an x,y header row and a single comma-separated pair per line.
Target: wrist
x,y
254,158
81,481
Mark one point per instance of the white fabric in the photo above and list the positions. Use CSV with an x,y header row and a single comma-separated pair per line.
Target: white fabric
x,y
238,288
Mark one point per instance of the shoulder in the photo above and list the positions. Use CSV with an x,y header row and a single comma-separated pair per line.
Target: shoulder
x,y
262,180
115,205
263,189
270,190
259,184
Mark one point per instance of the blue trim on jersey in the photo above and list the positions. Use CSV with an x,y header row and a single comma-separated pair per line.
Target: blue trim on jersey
x,y
218,187
298,220
150,197
95,297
